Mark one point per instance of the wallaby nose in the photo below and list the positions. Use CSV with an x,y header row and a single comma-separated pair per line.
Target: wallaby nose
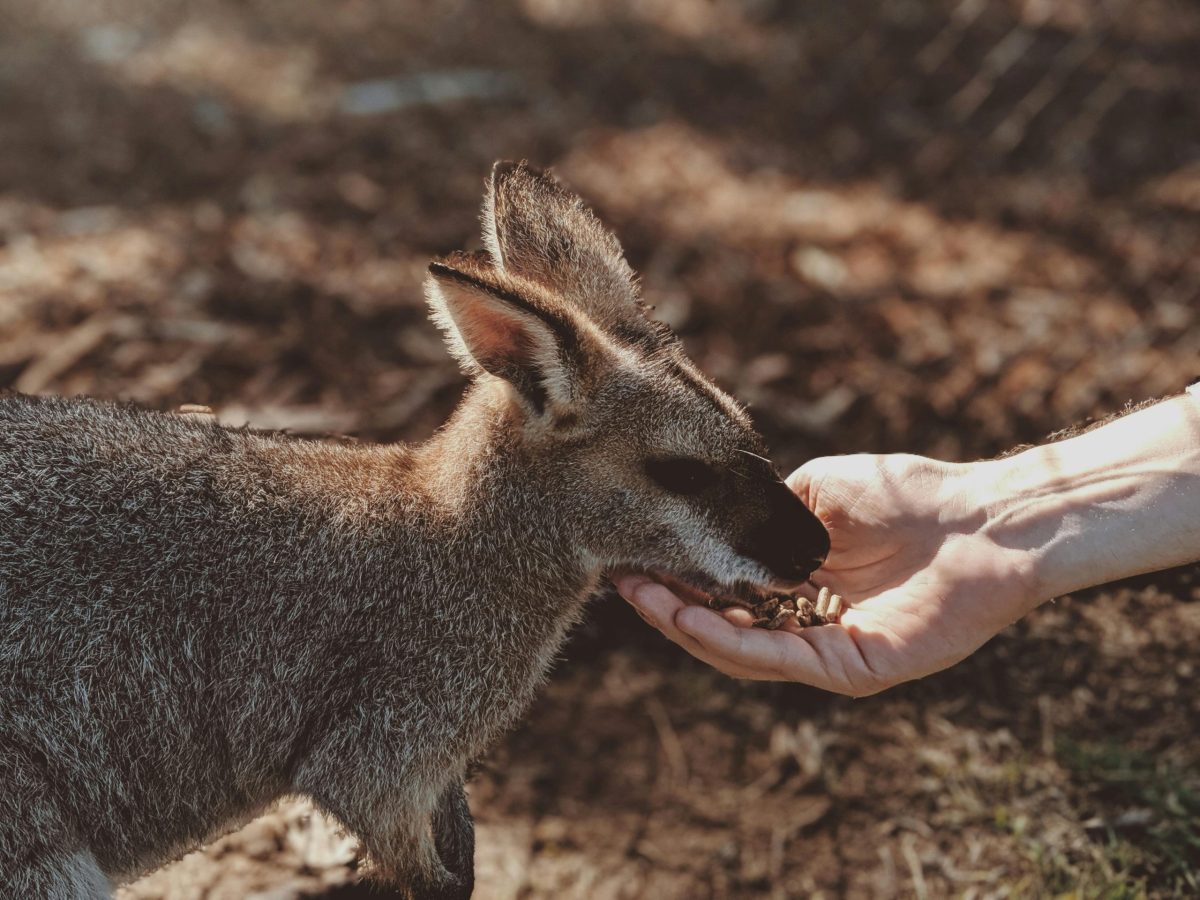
x,y
790,541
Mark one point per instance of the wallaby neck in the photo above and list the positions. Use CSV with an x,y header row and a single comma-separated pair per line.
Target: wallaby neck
x,y
473,508
478,475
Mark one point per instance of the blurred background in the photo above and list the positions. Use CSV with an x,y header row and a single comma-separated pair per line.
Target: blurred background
x,y
939,227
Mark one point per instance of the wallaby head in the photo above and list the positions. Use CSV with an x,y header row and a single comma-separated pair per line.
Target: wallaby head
x,y
661,470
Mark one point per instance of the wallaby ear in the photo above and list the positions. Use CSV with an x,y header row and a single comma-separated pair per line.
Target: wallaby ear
x,y
536,229
490,327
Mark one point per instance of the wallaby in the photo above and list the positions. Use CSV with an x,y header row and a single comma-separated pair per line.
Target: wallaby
x,y
196,620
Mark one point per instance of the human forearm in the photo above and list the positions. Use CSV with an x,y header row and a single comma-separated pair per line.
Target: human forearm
x,y
1116,501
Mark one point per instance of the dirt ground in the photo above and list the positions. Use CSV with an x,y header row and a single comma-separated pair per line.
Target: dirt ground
x,y
943,227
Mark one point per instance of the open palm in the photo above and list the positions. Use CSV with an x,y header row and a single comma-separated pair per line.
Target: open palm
x,y
912,556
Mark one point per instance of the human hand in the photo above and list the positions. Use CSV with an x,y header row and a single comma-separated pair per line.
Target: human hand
x,y
914,556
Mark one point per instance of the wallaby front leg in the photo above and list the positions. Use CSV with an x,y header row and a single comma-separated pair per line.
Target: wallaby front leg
x,y
72,877
392,834
454,837
40,852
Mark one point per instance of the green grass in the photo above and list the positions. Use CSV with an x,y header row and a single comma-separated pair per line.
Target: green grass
x,y
1149,839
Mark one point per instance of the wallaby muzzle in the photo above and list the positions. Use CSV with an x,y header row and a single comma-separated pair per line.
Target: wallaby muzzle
x,y
791,542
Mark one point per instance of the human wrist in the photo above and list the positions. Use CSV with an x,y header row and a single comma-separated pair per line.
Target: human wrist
x,y
1036,507
1110,503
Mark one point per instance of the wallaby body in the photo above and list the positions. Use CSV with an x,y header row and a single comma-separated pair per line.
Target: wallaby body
x,y
166,671
196,620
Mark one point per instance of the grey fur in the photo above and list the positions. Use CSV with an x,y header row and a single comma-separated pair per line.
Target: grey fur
x,y
196,620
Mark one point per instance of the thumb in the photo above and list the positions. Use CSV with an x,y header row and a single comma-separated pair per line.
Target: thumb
x,y
806,480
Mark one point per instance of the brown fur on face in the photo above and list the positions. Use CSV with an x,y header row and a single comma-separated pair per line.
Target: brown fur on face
x,y
592,358
195,620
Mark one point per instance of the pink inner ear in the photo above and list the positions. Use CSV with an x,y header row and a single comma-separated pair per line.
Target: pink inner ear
x,y
497,339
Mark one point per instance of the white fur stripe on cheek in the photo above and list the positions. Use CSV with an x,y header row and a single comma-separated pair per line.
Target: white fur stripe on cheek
x,y
711,555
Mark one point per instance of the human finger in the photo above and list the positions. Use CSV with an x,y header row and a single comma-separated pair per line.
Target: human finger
x,y
778,655
658,606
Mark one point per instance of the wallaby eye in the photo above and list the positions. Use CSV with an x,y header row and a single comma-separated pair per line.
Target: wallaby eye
x,y
681,475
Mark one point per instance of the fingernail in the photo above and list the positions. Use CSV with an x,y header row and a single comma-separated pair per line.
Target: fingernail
x,y
685,619
627,585
649,604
